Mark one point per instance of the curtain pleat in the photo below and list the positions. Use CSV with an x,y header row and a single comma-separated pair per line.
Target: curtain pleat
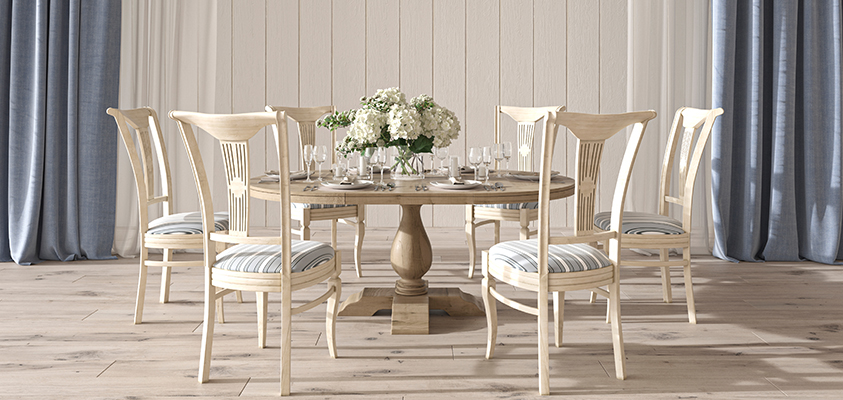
x,y
776,153
63,60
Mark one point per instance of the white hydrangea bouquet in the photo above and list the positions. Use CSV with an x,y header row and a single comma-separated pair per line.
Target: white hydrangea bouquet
x,y
388,120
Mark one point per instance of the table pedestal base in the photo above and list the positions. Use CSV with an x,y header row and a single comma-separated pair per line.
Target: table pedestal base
x,y
410,314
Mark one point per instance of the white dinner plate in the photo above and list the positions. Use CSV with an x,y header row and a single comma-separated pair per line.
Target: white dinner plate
x,y
358,184
467,184
531,176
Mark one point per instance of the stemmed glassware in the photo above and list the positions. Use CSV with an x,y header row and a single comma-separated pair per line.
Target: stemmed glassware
x,y
487,159
498,152
441,154
371,158
475,157
378,158
321,155
507,152
307,154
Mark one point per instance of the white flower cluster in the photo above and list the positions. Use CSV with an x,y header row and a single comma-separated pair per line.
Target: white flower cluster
x,y
386,119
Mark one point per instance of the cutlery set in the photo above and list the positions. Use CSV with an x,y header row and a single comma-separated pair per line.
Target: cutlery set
x,y
310,188
386,186
497,186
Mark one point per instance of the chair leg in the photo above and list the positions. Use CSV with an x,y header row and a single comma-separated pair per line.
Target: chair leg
x,y
497,231
592,297
262,298
165,276
544,367
491,310
207,331
286,337
220,246
358,239
334,233
305,228
331,318
617,331
524,233
144,255
558,316
689,286
667,294
470,241
220,310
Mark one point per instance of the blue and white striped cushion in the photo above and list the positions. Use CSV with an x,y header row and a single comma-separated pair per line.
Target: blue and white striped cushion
x,y
523,256
185,224
267,258
512,206
318,206
639,223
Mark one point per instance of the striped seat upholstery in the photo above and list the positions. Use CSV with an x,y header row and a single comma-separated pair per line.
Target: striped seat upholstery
x,y
523,256
267,258
185,224
317,206
512,206
641,223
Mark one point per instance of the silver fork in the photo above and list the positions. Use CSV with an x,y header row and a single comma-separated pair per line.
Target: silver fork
x,y
424,187
306,188
417,188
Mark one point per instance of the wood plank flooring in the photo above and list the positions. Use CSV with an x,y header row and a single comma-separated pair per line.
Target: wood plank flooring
x,y
766,330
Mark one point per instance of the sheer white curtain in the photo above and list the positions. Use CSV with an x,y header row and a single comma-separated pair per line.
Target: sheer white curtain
x,y
169,61
669,67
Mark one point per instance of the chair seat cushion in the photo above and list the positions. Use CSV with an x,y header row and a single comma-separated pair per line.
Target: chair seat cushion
x,y
523,256
267,258
185,224
319,206
512,206
641,223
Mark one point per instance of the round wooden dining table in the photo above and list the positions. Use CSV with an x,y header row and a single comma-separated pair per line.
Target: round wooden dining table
x,y
411,254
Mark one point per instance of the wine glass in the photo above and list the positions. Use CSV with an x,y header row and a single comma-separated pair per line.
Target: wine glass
x,y
370,153
441,154
507,152
321,154
487,159
379,158
498,152
475,157
307,155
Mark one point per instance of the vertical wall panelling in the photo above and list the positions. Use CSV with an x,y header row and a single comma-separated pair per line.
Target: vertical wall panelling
x,y
416,62
382,71
185,56
215,86
349,55
482,75
516,62
282,80
449,81
249,78
550,81
583,69
613,61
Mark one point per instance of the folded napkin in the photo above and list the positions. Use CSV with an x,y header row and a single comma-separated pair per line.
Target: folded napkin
x,y
456,181
348,180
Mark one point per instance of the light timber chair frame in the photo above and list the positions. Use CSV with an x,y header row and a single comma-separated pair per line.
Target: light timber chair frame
x,y
685,153
233,132
527,119
591,131
149,149
353,215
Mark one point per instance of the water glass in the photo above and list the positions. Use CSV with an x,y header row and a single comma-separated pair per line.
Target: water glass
x,y
441,154
307,156
498,151
475,157
321,155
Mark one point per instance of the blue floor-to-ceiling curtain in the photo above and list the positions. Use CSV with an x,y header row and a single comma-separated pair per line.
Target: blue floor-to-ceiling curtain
x,y
59,70
777,152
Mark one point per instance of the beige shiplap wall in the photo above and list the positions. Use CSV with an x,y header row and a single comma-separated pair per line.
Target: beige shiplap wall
x,y
468,54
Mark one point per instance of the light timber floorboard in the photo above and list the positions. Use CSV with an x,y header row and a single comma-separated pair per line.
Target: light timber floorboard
x,y
766,330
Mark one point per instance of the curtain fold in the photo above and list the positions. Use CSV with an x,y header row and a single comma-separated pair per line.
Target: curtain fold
x,y
777,153
57,179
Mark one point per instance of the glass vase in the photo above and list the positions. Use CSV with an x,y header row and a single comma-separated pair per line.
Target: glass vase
x,y
406,165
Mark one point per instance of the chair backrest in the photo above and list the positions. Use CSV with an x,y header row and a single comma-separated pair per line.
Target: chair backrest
x,y
591,131
687,123
526,117
305,118
150,141
233,132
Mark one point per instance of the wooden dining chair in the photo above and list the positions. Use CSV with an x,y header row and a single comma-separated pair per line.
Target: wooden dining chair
x,y
256,263
171,231
556,264
477,215
349,214
659,231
